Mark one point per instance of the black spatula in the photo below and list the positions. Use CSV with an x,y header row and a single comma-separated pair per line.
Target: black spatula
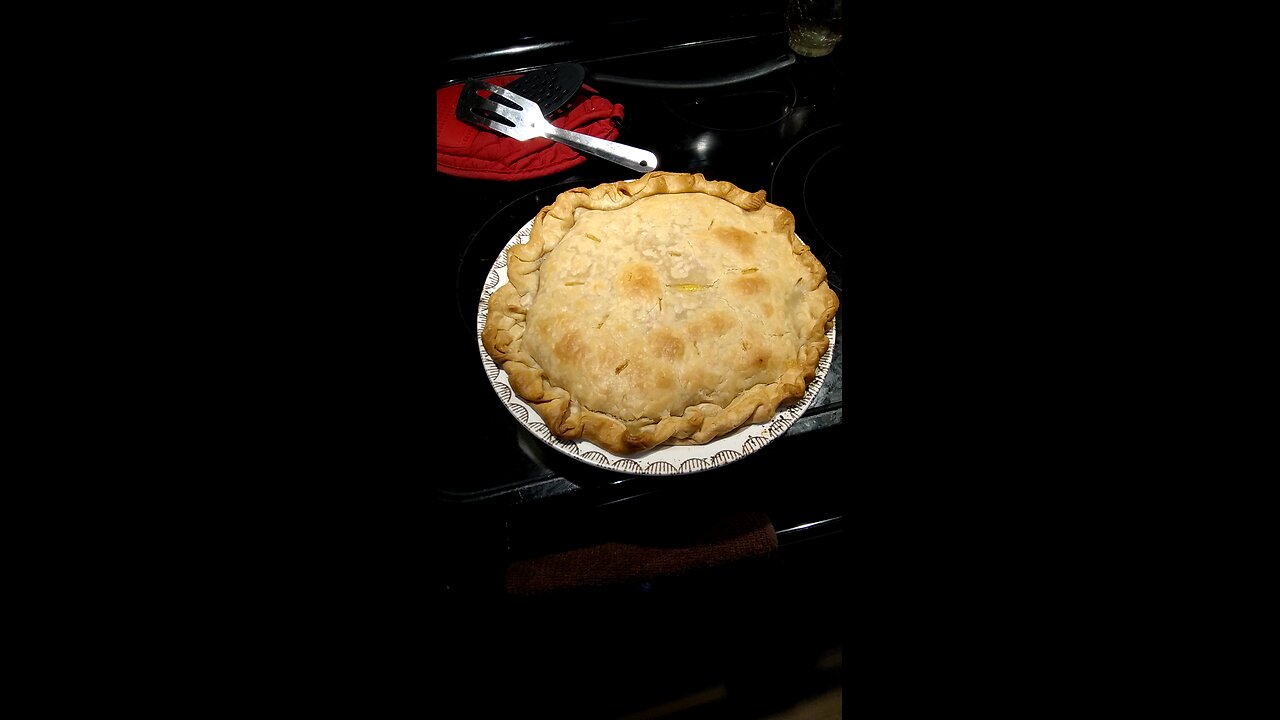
x,y
550,87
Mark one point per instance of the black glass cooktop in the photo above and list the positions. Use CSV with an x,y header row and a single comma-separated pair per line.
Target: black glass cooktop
x,y
783,132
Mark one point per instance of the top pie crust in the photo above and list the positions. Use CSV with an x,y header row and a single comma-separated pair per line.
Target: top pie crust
x,y
665,310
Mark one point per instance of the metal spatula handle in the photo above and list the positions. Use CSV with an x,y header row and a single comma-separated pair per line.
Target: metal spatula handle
x,y
642,161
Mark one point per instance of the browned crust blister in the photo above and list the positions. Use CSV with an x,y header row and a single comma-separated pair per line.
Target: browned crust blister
x,y
697,424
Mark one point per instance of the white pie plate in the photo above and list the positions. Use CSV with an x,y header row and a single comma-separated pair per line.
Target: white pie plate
x,y
664,459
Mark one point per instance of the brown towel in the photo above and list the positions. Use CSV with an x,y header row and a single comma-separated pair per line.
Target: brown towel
x,y
738,536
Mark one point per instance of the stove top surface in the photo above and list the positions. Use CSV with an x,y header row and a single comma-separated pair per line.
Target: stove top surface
x,y
783,132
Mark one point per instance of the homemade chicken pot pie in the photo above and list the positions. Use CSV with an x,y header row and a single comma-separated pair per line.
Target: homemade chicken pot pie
x,y
665,310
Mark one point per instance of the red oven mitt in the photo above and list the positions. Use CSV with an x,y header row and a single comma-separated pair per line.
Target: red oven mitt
x,y
466,150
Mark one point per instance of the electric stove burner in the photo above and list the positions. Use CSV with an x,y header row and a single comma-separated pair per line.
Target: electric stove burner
x,y
747,106
808,181
480,252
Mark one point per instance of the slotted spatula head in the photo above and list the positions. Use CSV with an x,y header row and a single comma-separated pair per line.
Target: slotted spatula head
x,y
551,87
502,111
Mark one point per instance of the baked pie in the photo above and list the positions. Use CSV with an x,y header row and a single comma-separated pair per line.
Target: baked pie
x,y
665,310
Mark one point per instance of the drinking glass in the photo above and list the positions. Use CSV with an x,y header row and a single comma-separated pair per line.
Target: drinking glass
x,y
815,26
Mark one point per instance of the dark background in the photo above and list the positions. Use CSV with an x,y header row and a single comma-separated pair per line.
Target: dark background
x,y
286,401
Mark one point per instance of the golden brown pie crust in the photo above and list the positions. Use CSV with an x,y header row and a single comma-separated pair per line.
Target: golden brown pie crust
x,y
665,310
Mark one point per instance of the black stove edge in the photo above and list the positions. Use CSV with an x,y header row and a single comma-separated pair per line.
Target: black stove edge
x,y
525,46
809,530
606,491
